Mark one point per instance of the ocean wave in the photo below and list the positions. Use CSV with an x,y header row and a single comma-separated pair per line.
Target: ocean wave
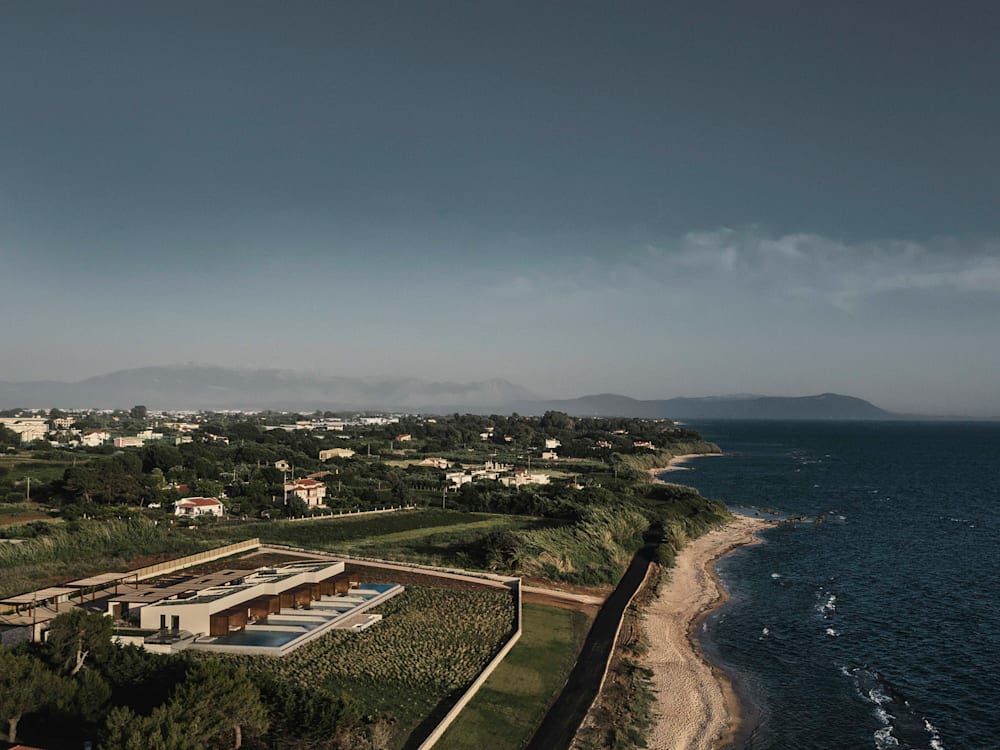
x,y
884,738
899,725
829,607
936,743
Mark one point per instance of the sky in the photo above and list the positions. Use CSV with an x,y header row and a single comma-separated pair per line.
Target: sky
x,y
654,199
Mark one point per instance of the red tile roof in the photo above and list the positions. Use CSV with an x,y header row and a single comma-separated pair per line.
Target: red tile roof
x,y
199,501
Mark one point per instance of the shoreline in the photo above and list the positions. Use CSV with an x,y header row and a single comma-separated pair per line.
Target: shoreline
x,y
674,465
697,707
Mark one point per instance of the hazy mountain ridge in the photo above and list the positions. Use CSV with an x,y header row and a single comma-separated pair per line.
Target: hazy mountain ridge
x,y
207,387
823,406
200,387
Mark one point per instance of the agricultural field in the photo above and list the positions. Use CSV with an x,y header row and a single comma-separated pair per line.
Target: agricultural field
x,y
431,537
16,513
409,667
508,708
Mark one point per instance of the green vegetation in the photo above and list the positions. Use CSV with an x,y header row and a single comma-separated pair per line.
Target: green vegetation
x,y
431,537
346,690
15,513
678,514
505,712
430,645
594,550
623,711
51,553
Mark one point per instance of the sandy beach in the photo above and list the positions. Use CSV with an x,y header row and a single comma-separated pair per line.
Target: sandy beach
x,y
697,708
676,464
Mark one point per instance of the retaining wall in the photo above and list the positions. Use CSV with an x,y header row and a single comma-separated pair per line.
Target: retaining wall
x,y
467,696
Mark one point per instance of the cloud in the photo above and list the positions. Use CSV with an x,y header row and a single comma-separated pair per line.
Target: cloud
x,y
812,266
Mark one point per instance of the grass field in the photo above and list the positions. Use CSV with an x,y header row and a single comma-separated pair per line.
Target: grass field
x,y
432,537
507,709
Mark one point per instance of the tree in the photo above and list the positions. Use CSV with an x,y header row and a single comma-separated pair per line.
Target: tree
x,y
9,437
26,687
76,635
138,412
226,701
91,697
161,456
169,727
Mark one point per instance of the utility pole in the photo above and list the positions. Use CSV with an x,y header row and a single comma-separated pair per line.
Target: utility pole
x,y
27,495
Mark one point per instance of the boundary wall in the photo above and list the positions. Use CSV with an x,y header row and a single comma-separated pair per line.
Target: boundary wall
x,y
170,566
487,579
352,513
615,646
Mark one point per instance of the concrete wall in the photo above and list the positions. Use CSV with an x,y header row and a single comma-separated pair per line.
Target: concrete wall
x,y
151,571
467,696
353,513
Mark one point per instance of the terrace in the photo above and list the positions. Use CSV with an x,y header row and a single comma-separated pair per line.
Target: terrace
x,y
275,633
271,611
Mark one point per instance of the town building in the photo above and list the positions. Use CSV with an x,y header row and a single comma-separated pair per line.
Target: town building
x,y
95,438
310,491
29,428
326,455
199,506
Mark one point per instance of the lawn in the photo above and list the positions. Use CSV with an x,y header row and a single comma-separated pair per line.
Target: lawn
x,y
508,708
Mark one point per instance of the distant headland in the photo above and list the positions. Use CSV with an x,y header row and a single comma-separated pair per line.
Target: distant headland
x,y
221,388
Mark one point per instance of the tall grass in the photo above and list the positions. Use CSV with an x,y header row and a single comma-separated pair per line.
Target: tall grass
x,y
84,547
594,550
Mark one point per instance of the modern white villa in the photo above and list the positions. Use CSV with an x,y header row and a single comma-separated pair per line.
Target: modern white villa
x,y
270,611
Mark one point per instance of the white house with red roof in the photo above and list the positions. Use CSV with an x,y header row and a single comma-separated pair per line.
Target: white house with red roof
x,y
310,491
94,438
199,506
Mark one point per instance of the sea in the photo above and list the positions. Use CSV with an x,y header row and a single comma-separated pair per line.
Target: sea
x,y
870,617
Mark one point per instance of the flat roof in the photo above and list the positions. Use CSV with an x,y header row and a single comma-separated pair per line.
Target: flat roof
x,y
38,596
36,615
173,584
100,580
207,595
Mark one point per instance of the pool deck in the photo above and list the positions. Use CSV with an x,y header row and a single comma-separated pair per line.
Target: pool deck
x,y
337,612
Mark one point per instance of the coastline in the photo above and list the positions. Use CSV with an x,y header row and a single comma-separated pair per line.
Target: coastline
x,y
697,707
674,465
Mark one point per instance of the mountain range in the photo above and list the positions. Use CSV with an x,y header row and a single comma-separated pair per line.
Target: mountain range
x,y
220,388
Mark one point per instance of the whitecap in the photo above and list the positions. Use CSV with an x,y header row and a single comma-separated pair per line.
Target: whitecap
x,y
936,743
775,575
765,631
831,632
884,739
